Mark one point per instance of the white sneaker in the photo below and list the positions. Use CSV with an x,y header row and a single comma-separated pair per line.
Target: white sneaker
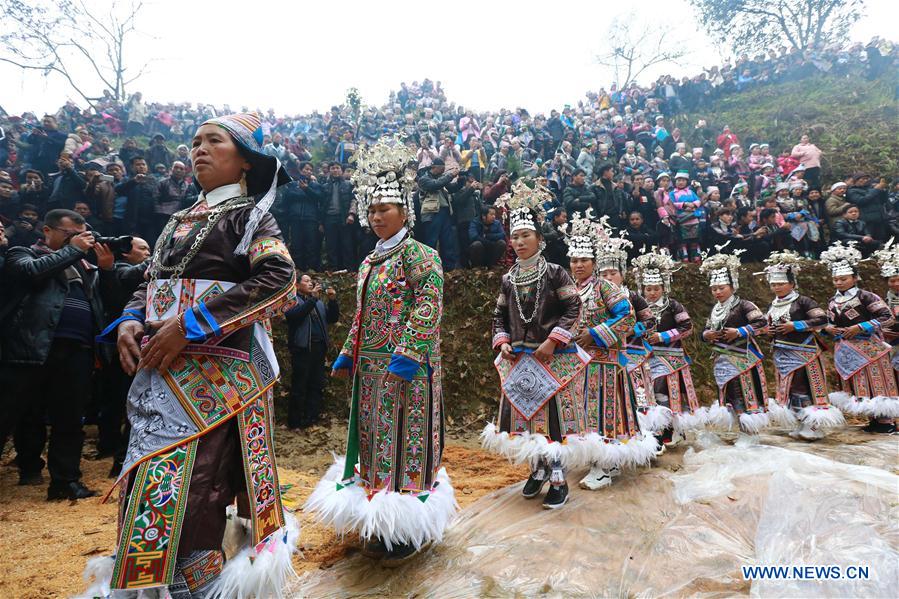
x,y
596,479
810,433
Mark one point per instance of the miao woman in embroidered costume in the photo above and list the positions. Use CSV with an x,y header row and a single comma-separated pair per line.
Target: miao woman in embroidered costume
x,y
541,417
613,436
731,330
612,265
669,365
801,397
888,259
856,319
200,406
391,488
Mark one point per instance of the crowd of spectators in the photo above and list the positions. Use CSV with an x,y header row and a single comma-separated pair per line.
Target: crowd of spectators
x,y
125,167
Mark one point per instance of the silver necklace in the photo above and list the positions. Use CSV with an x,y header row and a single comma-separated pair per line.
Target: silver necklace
x,y
212,217
529,278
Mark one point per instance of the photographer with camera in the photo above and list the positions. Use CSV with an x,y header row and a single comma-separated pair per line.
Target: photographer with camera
x,y
307,339
47,348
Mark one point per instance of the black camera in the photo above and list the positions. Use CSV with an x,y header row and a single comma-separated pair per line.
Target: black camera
x,y
117,245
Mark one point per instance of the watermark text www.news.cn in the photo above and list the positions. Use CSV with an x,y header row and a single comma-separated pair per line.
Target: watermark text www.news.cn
x,y
803,572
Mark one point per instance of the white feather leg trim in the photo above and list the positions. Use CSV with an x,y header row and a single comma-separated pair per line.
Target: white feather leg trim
x,y
884,407
615,453
262,573
339,510
394,518
844,401
691,421
656,419
781,415
754,423
822,417
98,575
720,417
525,448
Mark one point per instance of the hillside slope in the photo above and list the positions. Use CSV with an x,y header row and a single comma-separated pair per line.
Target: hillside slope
x,y
854,121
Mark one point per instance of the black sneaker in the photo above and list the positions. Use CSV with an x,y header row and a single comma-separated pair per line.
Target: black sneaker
x,y
71,491
398,555
31,479
534,485
885,428
556,497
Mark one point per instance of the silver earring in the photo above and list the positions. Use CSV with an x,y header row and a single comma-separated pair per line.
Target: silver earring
x,y
542,245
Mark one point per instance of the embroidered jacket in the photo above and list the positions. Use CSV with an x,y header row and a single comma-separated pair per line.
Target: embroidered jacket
x,y
806,316
866,309
607,314
399,303
264,279
746,318
555,318
674,324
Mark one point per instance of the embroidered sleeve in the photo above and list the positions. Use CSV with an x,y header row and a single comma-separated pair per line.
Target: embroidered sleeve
x,y
421,333
349,345
755,317
682,322
613,331
501,318
269,289
877,308
266,247
569,298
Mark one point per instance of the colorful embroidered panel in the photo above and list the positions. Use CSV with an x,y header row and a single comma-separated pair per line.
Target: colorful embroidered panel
x,y
255,425
213,387
567,370
148,544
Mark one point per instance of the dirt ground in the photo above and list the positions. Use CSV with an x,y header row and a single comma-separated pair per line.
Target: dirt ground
x,y
46,544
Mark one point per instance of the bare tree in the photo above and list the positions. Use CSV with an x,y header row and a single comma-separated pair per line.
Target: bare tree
x,y
634,47
750,25
65,37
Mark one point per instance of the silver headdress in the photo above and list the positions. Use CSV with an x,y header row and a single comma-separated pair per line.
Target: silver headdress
x,y
842,259
722,269
655,267
583,235
612,251
783,267
384,175
888,259
525,203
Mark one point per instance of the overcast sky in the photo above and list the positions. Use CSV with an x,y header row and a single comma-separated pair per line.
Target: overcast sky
x,y
299,56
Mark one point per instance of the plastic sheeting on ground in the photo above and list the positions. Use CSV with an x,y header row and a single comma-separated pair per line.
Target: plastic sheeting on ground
x,y
670,531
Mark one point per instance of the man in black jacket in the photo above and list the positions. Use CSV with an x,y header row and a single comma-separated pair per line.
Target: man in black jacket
x,y
112,438
140,210
47,349
611,200
307,339
871,201
339,220
852,228
302,216
579,197
435,189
